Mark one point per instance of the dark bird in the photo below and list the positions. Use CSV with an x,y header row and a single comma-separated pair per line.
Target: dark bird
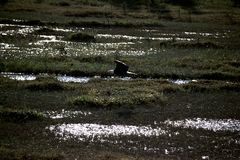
x,y
121,69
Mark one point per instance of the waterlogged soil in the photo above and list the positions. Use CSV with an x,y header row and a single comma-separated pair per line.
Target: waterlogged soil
x,y
189,125
67,79
120,41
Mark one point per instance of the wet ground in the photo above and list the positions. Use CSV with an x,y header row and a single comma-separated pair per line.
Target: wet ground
x,y
65,78
189,126
109,41
165,131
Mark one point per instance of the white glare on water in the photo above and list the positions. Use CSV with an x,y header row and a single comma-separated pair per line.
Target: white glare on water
x,y
18,76
208,124
66,114
87,130
73,79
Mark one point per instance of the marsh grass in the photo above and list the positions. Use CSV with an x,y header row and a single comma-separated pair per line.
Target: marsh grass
x,y
115,23
48,31
199,45
118,97
173,63
45,86
13,115
211,86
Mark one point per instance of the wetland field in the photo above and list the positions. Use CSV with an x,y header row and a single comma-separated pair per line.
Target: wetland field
x,y
58,100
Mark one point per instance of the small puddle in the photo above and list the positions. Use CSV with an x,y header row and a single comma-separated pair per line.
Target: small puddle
x,y
87,131
66,114
207,124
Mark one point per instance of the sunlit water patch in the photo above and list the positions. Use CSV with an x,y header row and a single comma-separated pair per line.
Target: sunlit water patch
x,y
18,76
181,81
66,114
48,39
207,124
87,131
63,78
20,29
7,46
65,29
68,79
207,34
127,37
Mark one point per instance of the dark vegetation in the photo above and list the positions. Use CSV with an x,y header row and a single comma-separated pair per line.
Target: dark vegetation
x,y
152,3
236,3
190,4
49,86
9,154
47,31
127,13
3,2
81,37
13,115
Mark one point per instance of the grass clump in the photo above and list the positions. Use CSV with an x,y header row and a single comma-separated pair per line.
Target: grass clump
x,y
12,115
211,85
45,86
118,97
81,37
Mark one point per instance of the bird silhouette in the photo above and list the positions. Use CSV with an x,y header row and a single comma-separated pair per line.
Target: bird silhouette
x,y
121,69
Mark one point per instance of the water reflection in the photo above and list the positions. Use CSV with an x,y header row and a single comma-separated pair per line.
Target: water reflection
x,y
62,78
181,81
127,37
87,131
18,76
207,124
125,44
66,114
67,79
